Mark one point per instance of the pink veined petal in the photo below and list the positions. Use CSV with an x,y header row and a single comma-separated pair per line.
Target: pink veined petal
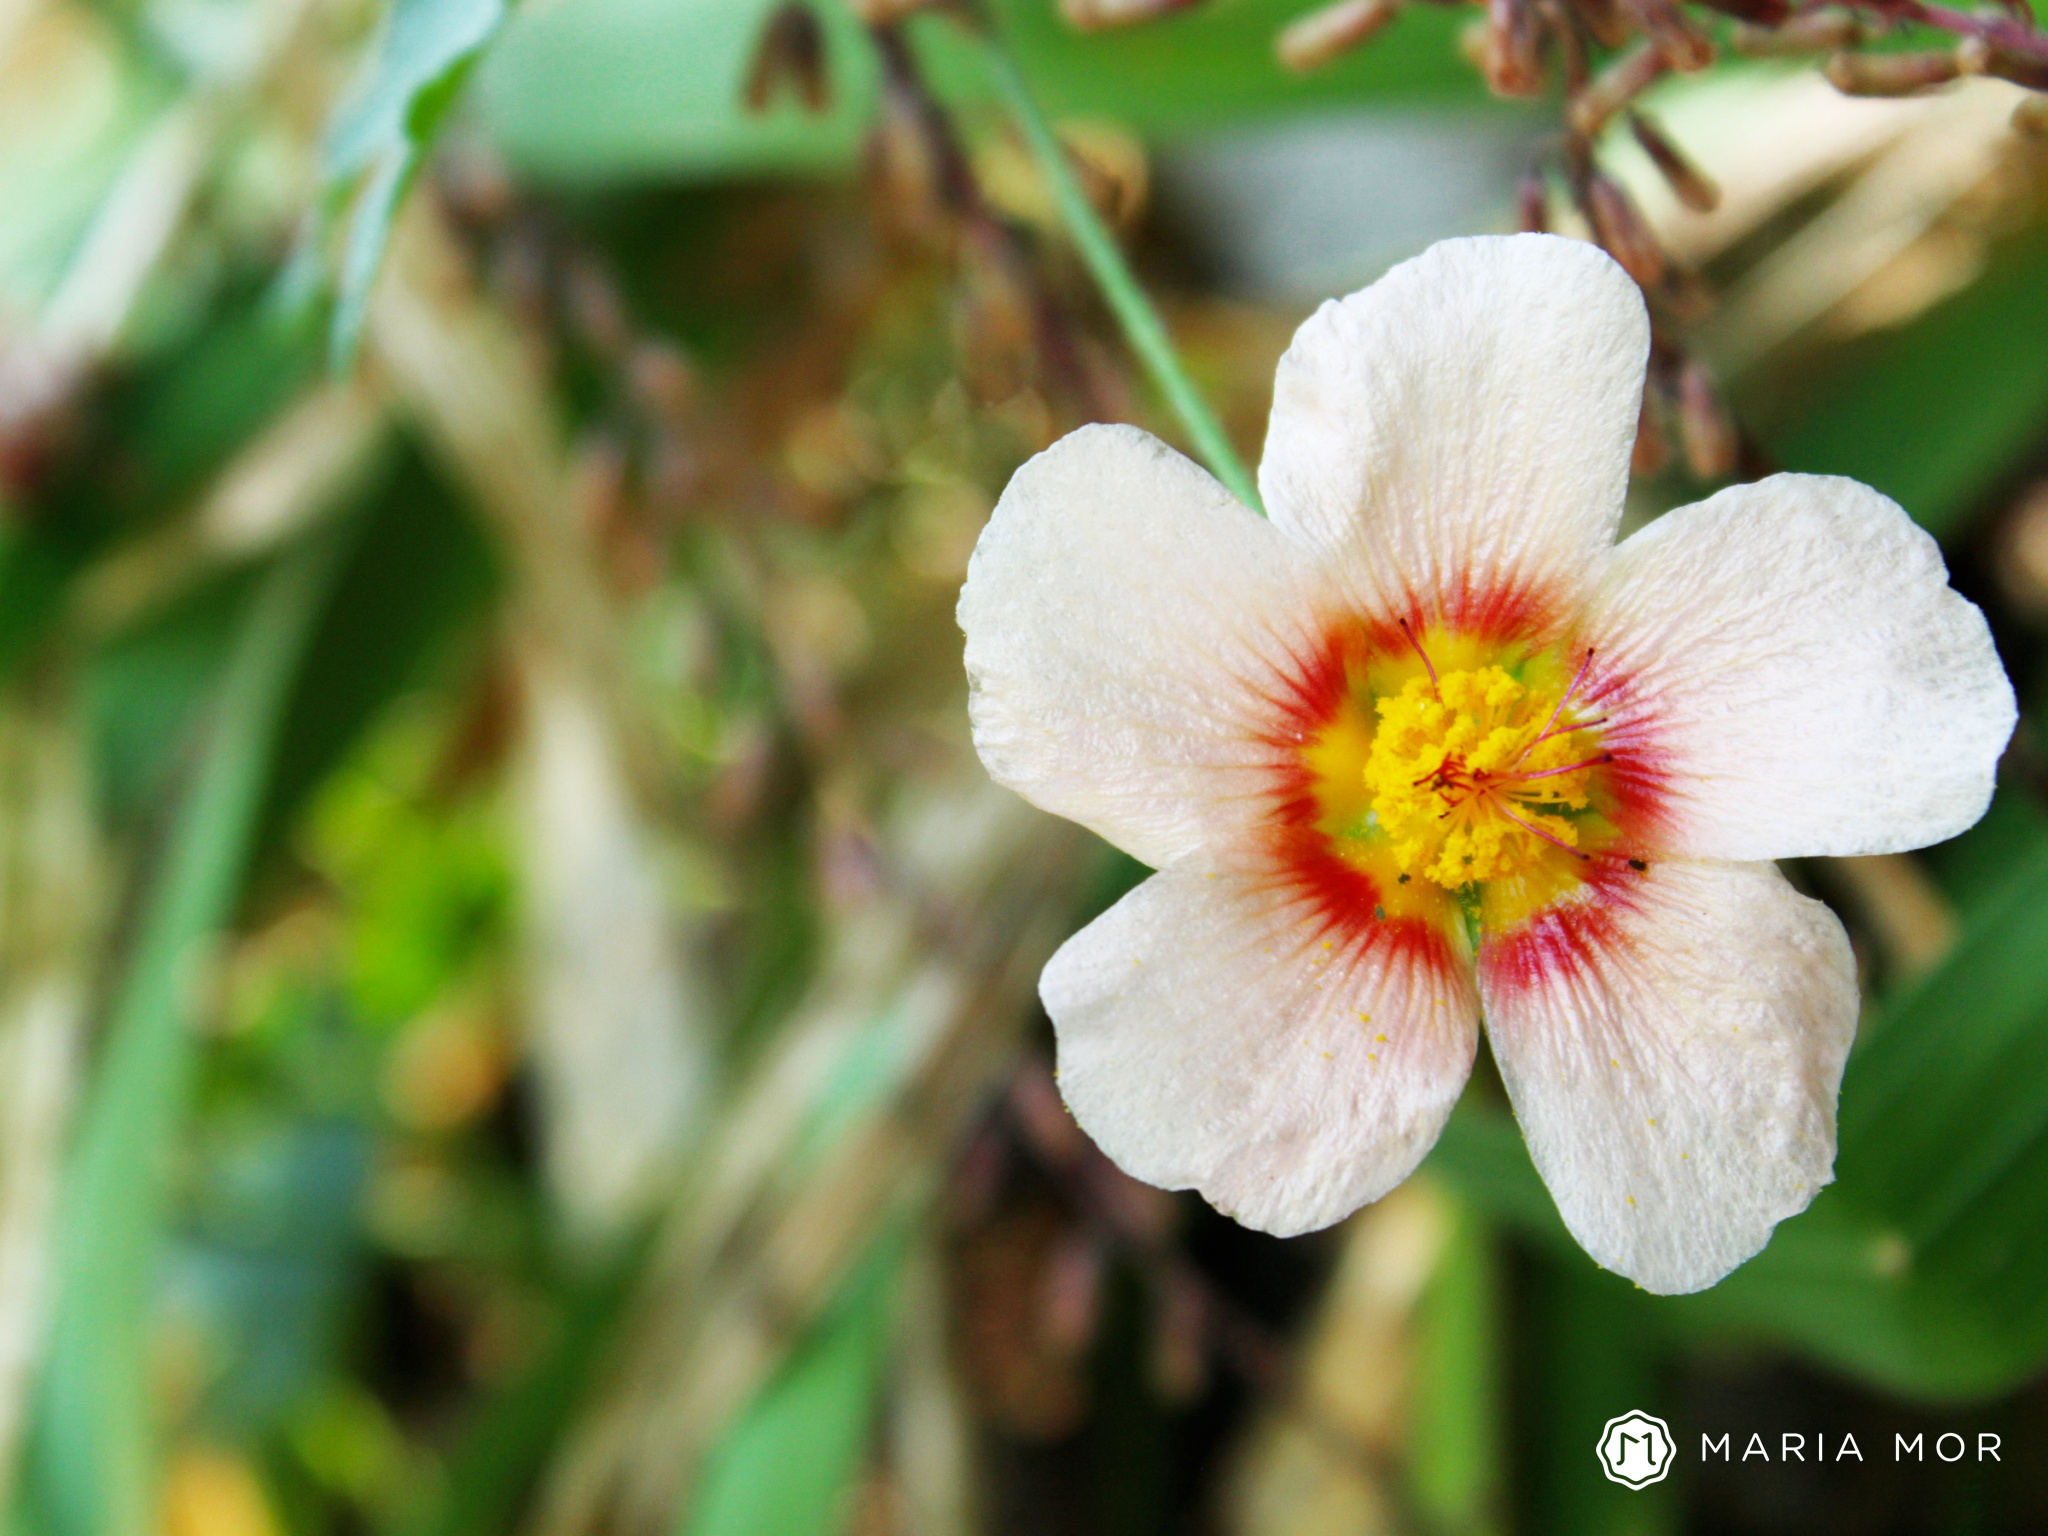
x,y
1217,1033
1673,1043
1455,439
1786,664
1126,622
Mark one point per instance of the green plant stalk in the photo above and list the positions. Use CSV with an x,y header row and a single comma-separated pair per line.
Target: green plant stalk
x,y
92,1452
1455,1456
1141,324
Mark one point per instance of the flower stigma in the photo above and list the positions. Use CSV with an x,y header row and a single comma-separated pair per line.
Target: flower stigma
x,y
1470,772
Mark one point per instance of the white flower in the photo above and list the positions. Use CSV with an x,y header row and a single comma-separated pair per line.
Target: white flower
x,y
1429,745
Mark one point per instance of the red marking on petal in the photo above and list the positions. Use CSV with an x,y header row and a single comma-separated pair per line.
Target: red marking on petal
x,y
1307,698
1348,905
1493,611
1638,776
1566,939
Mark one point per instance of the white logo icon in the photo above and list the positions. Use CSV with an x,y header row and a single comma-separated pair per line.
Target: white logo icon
x,y
1636,1450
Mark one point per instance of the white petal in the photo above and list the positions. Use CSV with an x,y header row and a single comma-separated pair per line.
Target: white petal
x,y
1787,666
1456,437
1216,1034
1126,621
1673,1043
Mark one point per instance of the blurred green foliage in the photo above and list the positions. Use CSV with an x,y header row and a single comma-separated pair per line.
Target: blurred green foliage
x,y
382,1305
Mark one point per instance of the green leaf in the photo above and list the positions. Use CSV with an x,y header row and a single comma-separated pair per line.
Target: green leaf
x,y
1456,1458
1481,1155
1835,1284
381,135
1945,1117
92,1445
788,1462
420,569
1977,866
1214,64
145,692
1936,415
1594,1351
1947,1089
607,90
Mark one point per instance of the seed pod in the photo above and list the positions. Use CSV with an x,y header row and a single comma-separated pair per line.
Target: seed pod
x,y
1704,425
1043,1119
996,330
663,382
2021,541
1532,212
1621,231
1976,56
1180,1339
1890,74
1687,297
1653,448
1309,42
595,308
1605,20
476,188
1674,34
1102,15
1822,31
1570,42
905,171
1513,59
1070,1299
1761,13
790,56
1691,185
1625,78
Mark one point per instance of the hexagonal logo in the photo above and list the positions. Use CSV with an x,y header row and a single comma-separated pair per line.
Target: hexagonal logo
x,y
1636,1449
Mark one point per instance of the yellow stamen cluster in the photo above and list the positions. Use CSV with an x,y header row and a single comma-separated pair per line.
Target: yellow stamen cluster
x,y
1454,776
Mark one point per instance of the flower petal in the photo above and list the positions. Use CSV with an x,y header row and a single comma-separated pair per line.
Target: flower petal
x,y
1673,1042
1456,437
1216,1033
1126,620
1787,666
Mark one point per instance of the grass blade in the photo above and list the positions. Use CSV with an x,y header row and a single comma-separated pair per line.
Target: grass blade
x,y
91,1454
1142,327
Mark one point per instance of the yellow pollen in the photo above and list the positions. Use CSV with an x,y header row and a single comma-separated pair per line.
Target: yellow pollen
x,y
1468,772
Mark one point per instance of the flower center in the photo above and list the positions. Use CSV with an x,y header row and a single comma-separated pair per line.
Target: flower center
x,y
1469,772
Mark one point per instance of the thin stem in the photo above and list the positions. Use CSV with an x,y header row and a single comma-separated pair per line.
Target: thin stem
x,y
1141,324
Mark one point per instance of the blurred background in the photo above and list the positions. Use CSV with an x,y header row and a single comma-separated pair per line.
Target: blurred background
x,y
517,1001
